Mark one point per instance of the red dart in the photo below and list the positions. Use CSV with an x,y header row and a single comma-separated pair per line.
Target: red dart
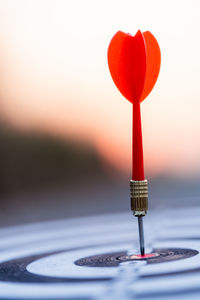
x,y
134,63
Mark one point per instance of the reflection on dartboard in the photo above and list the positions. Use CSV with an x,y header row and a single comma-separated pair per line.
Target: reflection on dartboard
x,y
75,259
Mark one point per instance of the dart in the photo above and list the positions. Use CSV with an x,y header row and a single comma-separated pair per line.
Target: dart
x,y
134,64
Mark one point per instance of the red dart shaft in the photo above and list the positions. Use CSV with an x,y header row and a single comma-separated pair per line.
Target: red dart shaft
x,y
137,158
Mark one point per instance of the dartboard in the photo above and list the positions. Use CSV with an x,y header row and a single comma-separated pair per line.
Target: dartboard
x,y
97,258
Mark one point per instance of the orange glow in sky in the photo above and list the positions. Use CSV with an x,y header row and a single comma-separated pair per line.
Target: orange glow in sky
x,y
54,77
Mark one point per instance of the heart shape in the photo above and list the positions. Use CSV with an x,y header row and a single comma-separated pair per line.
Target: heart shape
x,y
134,64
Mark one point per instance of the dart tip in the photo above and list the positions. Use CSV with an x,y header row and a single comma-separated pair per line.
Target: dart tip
x,y
141,235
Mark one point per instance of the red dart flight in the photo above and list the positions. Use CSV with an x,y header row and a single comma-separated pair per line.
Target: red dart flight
x,y
134,64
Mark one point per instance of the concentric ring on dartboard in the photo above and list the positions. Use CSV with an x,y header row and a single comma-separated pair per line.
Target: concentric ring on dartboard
x,y
65,265
114,259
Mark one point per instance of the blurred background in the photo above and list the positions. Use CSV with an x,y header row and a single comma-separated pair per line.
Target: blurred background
x,y
65,130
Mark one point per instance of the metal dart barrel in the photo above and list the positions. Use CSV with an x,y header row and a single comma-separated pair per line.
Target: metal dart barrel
x,y
139,206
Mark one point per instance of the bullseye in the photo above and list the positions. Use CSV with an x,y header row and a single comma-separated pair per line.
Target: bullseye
x,y
138,256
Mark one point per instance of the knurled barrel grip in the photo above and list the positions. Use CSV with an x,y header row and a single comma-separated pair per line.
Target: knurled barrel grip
x,y
139,197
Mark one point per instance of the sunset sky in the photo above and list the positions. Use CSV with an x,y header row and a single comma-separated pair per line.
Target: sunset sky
x,y
54,77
